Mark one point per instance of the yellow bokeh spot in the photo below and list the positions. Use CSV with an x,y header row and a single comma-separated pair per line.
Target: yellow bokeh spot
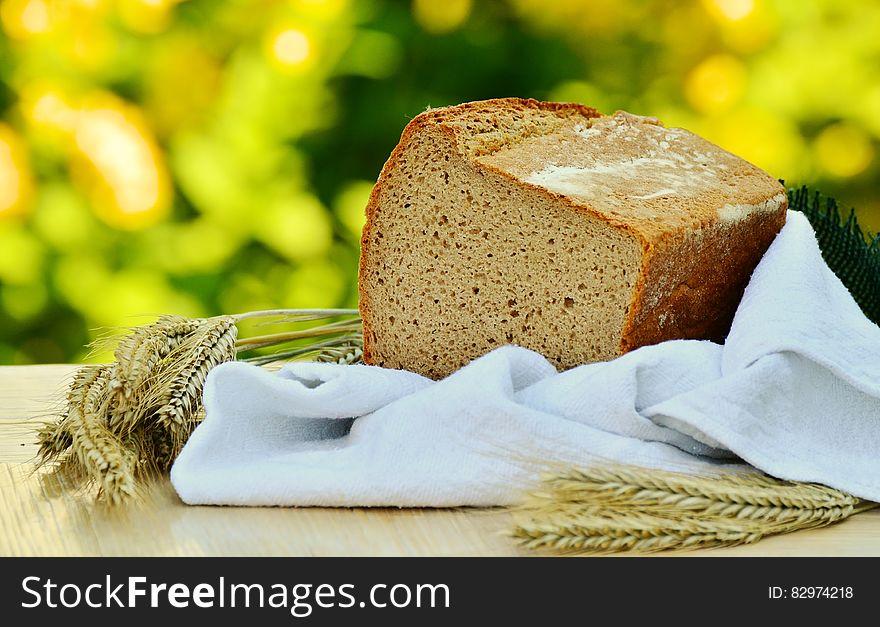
x,y
116,160
62,220
146,16
192,247
16,185
770,141
48,108
315,284
22,256
23,302
291,47
733,10
753,32
323,9
93,45
843,150
716,84
121,165
297,227
441,16
25,18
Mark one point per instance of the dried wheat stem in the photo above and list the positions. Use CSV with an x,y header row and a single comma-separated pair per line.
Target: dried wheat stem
x,y
99,451
215,344
625,530
294,314
137,372
136,360
132,418
261,341
621,530
54,438
348,348
752,488
624,508
348,353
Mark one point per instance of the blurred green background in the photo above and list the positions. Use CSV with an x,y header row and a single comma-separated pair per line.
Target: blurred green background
x,y
206,156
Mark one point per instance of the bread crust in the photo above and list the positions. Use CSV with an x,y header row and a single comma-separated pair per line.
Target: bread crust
x,y
425,119
708,283
705,281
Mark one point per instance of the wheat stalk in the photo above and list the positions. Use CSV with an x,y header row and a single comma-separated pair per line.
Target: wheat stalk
x,y
619,508
142,360
138,354
130,419
630,484
98,450
351,352
214,344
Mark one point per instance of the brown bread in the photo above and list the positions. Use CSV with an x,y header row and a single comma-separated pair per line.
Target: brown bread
x,y
550,226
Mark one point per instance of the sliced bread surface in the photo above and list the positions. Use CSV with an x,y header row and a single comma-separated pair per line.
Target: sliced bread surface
x,y
550,226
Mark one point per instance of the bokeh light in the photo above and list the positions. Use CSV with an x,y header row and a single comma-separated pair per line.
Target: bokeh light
x,y
207,156
15,178
443,16
843,150
24,18
733,10
716,84
121,166
291,47
48,108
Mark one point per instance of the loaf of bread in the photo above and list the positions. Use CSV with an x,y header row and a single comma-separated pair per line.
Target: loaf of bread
x,y
551,226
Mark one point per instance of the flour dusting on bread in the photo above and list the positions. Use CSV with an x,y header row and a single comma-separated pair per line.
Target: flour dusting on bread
x,y
551,226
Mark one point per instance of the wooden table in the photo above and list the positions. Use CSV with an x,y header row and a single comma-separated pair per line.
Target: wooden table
x,y
37,519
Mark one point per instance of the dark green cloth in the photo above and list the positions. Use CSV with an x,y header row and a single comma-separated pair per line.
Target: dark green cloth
x,y
853,257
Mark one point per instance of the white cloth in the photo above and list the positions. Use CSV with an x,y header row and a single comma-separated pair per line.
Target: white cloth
x,y
794,391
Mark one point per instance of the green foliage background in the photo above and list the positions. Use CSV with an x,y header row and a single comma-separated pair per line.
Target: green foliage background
x,y
207,156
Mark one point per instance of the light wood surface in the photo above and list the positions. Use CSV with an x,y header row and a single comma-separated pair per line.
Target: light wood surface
x,y
37,518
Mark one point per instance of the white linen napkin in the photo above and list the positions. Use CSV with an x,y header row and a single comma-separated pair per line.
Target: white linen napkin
x,y
794,391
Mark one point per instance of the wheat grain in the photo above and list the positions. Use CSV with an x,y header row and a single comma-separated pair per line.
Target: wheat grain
x,y
619,508
141,364
101,454
129,420
215,344
136,361
349,353
54,438
625,530
752,488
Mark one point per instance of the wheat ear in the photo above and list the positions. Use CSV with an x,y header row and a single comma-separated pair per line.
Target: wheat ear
x,y
99,451
680,490
213,345
617,508
138,354
141,364
130,419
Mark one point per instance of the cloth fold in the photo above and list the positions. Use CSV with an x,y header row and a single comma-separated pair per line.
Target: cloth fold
x,y
794,391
